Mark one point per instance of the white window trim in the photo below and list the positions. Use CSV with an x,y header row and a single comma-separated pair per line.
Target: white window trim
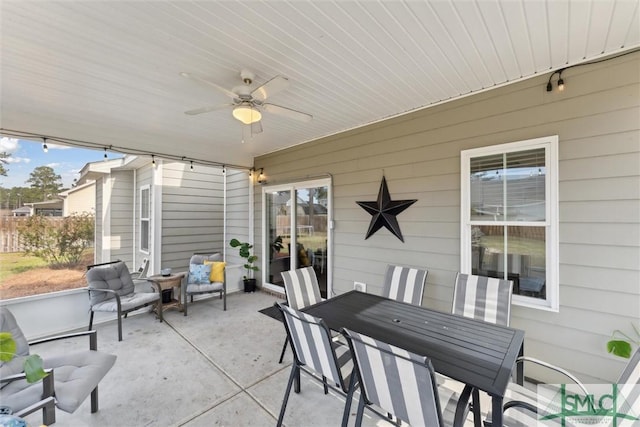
x,y
550,143
147,251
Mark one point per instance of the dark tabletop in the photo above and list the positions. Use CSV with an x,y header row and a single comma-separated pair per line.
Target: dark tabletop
x,y
474,352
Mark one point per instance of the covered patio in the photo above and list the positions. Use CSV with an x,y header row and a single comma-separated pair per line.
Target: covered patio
x,y
209,368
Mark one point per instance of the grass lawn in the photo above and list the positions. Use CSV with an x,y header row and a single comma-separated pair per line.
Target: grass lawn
x,y
17,262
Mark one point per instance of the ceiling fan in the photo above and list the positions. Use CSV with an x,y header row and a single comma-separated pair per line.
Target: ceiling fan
x,y
247,103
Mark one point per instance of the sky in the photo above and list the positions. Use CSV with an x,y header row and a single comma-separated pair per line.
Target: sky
x,y
28,155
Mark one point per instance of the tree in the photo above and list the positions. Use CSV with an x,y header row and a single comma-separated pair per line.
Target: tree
x,y
46,181
58,242
3,161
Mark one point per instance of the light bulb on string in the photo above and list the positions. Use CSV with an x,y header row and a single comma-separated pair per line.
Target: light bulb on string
x,y
44,146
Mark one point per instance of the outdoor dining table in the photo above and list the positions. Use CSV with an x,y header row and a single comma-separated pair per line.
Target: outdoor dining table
x,y
476,353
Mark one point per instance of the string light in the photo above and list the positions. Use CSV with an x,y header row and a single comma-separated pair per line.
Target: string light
x,y
191,166
224,169
105,153
44,146
153,159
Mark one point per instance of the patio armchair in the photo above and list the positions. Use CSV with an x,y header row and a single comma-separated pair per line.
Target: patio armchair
x,y
403,384
302,290
483,298
404,284
111,289
207,275
315,353
522,406
72,376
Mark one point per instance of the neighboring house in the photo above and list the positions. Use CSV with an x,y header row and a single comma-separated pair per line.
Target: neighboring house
x,y
47,208
79,199
594,272
164,211
21,211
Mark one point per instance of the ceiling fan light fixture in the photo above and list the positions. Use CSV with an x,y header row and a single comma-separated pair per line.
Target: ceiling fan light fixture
x,y
246,114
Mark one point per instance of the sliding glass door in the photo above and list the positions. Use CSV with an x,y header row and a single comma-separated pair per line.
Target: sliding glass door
x,y
296,230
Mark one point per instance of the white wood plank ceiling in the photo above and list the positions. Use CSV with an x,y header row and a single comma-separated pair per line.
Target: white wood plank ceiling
x,y
108,72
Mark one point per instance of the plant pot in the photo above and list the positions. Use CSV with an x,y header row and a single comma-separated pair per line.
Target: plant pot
x,y
249,285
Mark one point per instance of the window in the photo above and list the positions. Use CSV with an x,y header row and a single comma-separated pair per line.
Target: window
x,y
145,222
509,226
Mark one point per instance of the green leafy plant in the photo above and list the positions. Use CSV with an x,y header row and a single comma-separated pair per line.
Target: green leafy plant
x,y
244,250
33,365
622,347
58,242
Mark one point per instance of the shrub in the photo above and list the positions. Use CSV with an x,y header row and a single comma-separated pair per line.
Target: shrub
x,y
58,242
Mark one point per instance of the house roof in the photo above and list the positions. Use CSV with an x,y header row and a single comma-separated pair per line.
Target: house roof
x,y
108,76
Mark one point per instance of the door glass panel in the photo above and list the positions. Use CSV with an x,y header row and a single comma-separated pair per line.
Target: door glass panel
x,y
311,232
278,234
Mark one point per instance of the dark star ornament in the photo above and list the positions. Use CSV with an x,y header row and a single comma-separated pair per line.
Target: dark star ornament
x,y
384,211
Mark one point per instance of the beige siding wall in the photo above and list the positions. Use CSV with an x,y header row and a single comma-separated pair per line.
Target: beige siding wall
x,y
192,212
122,217
597,121
237,213
82,200
97,244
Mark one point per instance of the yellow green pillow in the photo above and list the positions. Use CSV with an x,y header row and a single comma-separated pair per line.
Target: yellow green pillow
x,y
217,271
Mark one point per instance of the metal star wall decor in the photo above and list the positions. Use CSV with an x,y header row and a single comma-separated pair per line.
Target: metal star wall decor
x,y
384,211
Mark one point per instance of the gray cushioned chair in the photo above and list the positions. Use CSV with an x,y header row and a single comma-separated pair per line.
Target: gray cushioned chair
x,y
72,376
111,289
191,289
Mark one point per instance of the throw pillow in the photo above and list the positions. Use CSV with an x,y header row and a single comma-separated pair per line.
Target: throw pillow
x,y
217,271
199,274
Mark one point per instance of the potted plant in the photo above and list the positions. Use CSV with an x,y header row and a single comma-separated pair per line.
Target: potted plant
x,y
244,250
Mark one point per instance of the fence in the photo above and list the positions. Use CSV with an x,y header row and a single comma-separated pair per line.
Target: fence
x,y
9,235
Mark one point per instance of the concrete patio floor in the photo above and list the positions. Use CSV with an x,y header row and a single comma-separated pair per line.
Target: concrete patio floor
x,y
211,368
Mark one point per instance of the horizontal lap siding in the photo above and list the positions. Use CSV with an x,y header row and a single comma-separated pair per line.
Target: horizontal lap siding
x,y
237,212
121,234
596,118
192,212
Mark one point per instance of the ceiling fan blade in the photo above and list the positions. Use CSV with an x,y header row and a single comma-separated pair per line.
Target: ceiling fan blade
x,y
256,127
270,88
207,109
207,82
287,112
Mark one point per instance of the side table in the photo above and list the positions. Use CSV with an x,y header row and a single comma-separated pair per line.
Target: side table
x,y
169,282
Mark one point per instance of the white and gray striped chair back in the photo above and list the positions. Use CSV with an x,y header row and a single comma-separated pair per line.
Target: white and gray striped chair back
x,y
483,298
301,287
312,345
629,392
404,284
400,382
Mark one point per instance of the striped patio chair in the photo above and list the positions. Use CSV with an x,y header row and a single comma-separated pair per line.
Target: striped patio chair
x,y
404,284
315,353
401,383
523,407
483,298
302,290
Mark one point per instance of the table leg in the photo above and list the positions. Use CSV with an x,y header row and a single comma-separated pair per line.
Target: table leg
x,y
520,368
496,411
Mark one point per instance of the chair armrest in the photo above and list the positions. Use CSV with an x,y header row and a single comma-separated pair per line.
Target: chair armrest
x,y
93,338
547,365
21,376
